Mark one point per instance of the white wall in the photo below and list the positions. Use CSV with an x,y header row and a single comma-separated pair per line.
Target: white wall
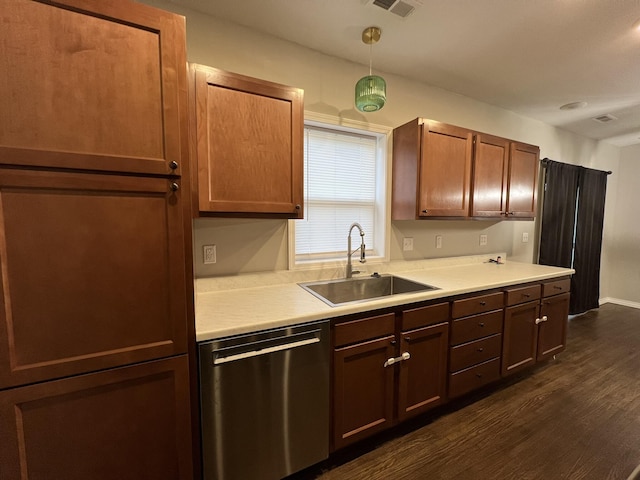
x,y
328,82
623,247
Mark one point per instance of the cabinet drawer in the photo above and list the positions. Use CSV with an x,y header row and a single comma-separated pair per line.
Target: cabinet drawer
x,y
478,326
364,329
473,353
474,377
421,317
557,287
479,304
513,296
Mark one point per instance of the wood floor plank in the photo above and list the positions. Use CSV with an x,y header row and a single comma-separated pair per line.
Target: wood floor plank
x,y
576,418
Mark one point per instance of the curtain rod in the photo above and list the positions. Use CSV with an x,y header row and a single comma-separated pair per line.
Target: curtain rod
x,y
545,160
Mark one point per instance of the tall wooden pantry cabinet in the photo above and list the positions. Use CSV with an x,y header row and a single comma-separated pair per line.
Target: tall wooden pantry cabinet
x,y
96,300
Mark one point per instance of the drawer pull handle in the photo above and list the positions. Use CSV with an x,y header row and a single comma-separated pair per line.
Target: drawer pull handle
x,y
481,324
556,287
407,339
483,303
392,360
481,349
540,320
479,375
526,295
392,342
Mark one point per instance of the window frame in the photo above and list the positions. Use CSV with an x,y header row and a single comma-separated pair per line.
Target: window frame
x,y
383,194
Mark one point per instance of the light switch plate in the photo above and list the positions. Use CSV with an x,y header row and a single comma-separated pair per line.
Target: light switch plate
x,y
407,244
525,237
438,241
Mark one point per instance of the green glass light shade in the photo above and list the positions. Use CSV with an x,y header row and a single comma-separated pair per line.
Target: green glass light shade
x,y
371,93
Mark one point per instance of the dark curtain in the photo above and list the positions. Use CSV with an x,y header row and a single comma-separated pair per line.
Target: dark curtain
x,y
588,242
570,240
558,214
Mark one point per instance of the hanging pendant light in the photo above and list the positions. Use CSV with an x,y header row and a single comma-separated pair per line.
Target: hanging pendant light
x,y
371,91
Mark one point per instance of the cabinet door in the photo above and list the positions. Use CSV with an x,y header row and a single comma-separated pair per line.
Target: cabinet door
x,y
523,180
445,171
423,377
127,423
490,176
93,273
92,85
552,331
362,390
520,337
249,144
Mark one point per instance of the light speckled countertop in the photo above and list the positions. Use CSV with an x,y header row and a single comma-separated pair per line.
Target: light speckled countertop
x,y
248,303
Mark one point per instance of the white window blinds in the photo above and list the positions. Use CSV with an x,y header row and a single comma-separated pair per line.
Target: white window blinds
x,y
340,188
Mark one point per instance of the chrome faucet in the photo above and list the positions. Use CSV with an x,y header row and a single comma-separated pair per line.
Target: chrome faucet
x,y
349,252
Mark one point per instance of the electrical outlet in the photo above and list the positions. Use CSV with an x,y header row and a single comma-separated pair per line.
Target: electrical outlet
x,y
209,254
407,244
483,239
438,241
525,237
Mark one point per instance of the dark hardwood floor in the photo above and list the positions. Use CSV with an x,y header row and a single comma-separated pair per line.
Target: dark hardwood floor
x,y
575,417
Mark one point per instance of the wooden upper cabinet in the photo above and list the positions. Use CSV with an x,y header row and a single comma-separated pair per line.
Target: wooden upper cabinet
x,y
490,176
432,173
522,188
249,141
93,272
431,170
93,86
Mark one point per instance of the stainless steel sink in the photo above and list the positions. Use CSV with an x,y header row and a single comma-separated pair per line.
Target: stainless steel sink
x,y
338,292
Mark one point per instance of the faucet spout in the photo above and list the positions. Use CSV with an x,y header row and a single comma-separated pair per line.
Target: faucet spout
x,y
350,252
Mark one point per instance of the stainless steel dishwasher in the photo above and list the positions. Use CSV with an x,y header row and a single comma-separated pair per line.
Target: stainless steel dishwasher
x,y
265,402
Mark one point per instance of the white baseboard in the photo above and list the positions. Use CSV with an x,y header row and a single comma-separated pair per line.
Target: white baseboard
x,y
619,301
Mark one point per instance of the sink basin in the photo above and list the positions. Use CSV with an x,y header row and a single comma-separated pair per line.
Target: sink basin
x,y
338,292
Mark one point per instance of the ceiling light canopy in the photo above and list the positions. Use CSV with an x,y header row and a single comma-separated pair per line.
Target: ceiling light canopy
x,y
573,105
371,91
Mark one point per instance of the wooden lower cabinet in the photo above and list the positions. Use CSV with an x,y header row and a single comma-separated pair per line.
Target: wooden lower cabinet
x,y
423,377
372,388
125,423
535,330
552,332
390,367
363,390
520,339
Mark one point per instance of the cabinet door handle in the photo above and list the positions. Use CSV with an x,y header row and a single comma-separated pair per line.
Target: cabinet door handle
x,y
540,320
481,324
392,342
175,186
425,211
173,165
483,303
481,349
392,360
298,206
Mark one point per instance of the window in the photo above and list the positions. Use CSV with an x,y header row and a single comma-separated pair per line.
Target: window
x,y
344,182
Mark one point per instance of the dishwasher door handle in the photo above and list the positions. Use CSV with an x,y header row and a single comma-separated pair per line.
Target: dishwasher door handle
x,y
265,351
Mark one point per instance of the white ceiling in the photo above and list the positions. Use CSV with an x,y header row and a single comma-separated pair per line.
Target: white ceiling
x,y
527,56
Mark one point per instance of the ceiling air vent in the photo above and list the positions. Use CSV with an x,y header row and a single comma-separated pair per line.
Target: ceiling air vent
x,y
402,8
606,118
